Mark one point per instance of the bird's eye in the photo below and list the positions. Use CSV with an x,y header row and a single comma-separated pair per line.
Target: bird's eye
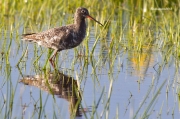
x,y
83,11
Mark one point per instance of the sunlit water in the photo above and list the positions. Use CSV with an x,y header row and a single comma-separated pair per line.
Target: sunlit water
x,y
127,83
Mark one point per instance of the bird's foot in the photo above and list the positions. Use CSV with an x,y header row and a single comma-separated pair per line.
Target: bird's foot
x,y
52,62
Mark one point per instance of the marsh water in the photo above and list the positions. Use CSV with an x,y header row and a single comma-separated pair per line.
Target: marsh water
x,y
113,84
127,83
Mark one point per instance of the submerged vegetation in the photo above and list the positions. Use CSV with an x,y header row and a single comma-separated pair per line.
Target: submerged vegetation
x,y
137,36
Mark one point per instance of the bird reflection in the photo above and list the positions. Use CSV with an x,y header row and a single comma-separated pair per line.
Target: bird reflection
x,y
59,84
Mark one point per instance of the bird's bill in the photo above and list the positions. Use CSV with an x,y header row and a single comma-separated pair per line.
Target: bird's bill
x,y
88,16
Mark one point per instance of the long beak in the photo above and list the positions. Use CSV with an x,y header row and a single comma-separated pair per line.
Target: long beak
x,y
88,16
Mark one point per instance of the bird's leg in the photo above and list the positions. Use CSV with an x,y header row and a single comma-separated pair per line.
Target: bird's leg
x,y
52,58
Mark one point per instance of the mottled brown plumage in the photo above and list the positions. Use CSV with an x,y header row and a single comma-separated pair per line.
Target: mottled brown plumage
x,y
65,37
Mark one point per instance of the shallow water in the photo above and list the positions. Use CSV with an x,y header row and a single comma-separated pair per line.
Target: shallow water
x,y
112,85
126,83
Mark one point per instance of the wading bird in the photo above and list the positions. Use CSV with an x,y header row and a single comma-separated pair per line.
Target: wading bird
x,y
62,38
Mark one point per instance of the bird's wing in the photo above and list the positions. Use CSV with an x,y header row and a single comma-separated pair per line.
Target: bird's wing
x,y
50,38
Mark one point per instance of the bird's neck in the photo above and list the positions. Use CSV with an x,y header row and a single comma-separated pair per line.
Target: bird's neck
x,y
80,24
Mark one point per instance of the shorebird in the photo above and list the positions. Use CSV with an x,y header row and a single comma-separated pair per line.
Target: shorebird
x,y
64,37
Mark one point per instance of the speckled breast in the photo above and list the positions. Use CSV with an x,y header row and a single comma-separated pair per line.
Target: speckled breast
x,y
73,41
77,39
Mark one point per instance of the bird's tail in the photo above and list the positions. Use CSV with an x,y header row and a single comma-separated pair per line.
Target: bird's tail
x,y
25,36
